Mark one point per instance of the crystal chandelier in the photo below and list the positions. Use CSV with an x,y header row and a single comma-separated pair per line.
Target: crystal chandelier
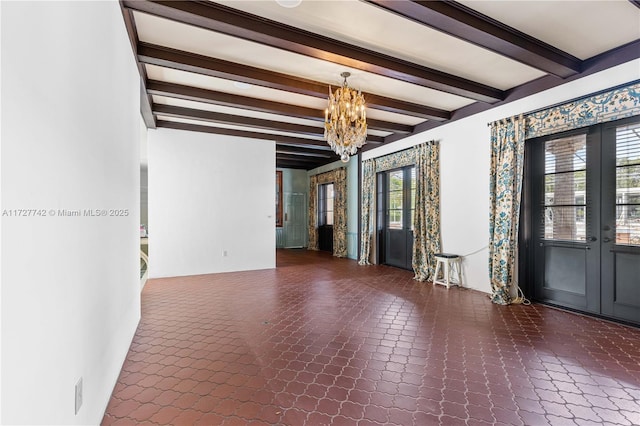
x,y
345,120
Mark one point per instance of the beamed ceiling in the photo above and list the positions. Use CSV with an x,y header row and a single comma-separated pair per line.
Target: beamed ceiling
x,y
260,70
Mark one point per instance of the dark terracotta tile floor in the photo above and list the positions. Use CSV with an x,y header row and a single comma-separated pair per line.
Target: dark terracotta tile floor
x,y
321,340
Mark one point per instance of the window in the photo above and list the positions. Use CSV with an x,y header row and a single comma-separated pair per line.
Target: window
x,y
396,198
325,204
401,196
565,181
413,195
628,185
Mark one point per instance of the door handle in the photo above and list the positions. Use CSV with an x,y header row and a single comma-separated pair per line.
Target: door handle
x,y
606,240
592,239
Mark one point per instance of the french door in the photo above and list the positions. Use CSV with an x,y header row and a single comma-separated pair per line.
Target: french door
x,y
584,201
396,204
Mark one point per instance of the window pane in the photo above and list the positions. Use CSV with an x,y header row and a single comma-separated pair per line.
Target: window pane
x,y
413,198
627,229
413,178
565,223
566,154
329,190
395,200
628,185
395,219
395,180
329,204
565,188
412,216
329,218
627,146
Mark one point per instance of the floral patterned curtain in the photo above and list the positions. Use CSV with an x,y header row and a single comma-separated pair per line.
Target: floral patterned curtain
x,y
339,179
599,108
340,212
313,214
507,159
426,221
367,210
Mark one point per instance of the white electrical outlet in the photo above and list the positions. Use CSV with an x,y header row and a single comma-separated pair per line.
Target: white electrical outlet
x,y
78,395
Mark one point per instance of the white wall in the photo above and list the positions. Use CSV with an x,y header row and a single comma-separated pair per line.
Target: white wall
x,y
209,194
465,161
70,285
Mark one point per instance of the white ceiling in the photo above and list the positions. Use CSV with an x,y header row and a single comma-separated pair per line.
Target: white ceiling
x,y
583,29
383,32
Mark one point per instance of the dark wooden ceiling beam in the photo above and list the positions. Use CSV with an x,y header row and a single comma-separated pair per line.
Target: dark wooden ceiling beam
x,y
237,120
239,133
213,97
471,26
307,165
206,65
311,148
612,58
243,133
280,162
283,164
304,152
226,20
145,98
244,102
307,160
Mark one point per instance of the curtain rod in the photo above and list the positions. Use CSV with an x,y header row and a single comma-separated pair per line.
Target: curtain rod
x,y
507,119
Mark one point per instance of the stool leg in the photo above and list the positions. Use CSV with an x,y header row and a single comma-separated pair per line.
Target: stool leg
x,y
435,275
453,272
446,272
459,265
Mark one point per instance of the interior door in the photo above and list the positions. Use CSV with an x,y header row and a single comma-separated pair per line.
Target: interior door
x,y
585,219
294,220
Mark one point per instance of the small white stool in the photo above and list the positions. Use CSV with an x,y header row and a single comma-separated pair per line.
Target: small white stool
x,y
451,264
